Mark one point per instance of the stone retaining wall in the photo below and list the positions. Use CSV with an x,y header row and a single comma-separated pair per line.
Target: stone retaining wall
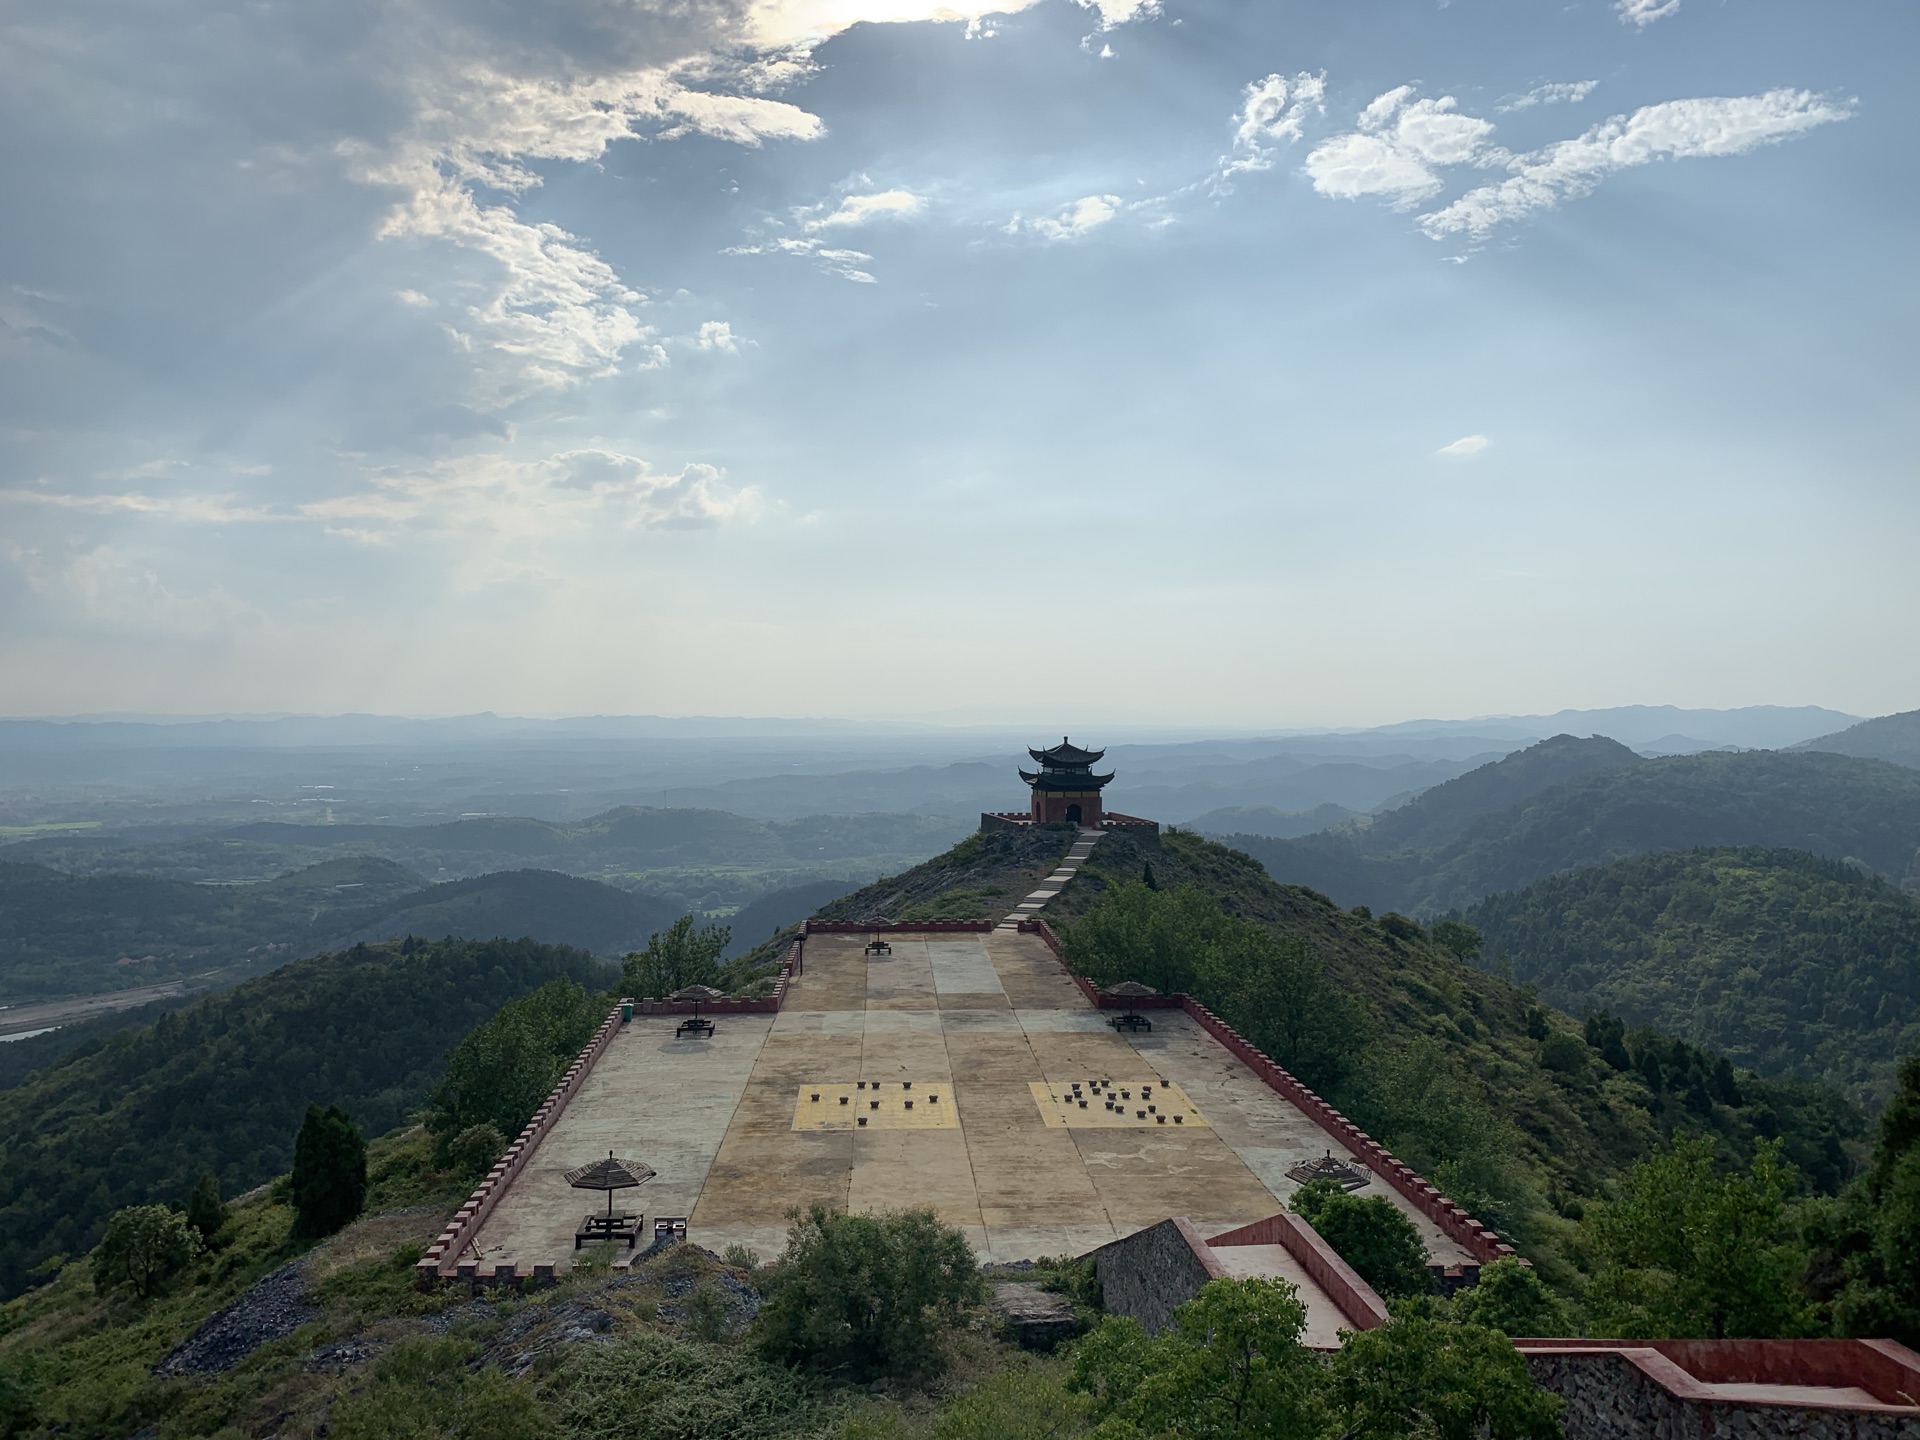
x,y
1153,1271
1630,1390
1454,1220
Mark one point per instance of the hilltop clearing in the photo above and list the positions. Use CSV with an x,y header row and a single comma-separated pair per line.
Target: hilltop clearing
x,y
1834,806
219,1086
1790,964
983,877
1895,738
81,935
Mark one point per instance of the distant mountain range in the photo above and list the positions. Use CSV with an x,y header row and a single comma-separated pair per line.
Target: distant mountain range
x,y
1568,803
1891,737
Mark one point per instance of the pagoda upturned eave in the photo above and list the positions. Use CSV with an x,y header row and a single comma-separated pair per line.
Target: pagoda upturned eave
x,y
1066,780
1066,755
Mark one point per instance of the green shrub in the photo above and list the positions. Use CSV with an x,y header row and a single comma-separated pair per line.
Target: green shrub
x,y
503,1068
1510,1298
205,1211
1229,1366
1684,1251
1434,1378
1021,1404
474,1150
144,1246
650,1386
1369,1234
423,1389
705,1310
18,1413
329,1181
741,1257
859,1296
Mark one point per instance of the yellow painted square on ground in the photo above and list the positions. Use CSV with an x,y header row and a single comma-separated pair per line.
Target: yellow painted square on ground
x,y
881,1104
1102,1104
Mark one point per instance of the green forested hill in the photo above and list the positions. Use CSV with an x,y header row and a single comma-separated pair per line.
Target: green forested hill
x,y
67,935
1460,1071
1790,964
219,1087
1835,806
1890,737
554,908
1438,815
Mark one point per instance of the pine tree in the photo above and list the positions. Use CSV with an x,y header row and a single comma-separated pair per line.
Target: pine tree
x,y
329,1172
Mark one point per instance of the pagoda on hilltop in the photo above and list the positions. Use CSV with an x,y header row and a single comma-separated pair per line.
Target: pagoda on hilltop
x,y
1065,789
1066,792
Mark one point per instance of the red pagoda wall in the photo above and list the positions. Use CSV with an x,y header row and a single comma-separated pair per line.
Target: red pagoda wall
x,y
1050,807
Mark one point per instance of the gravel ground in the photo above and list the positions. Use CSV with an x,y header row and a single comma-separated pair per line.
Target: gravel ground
x,y
271,1310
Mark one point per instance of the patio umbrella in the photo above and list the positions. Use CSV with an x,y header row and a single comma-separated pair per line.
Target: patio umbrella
x,y
699,995
1128,990
610,1175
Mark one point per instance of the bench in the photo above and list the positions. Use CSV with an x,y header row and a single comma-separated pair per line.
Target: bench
x,y
621,1225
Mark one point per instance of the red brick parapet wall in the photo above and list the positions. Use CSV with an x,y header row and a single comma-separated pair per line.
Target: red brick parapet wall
x,y
443,1257
1476,1239
895,927
1359,1302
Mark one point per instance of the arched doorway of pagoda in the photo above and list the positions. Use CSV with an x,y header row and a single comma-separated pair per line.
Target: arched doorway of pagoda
x,y
1073,814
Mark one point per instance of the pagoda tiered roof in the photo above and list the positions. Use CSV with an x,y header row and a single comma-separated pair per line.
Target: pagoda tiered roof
x,y
1066,767
1066,756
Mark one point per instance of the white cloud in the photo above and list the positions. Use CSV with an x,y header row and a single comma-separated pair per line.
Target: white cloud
x,y
1396,147
1644,12
860,209
1673,130
1086,214
1272,112
1464,448
717,335
105,586
1120,12
1565,92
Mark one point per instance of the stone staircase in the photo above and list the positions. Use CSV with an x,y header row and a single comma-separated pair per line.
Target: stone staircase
x,y
1030,908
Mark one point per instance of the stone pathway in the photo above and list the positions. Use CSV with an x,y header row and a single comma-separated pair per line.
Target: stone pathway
x,y
1030,908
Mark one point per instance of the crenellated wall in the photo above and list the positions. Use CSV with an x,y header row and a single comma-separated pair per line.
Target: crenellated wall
x,y
443,1258
1453,1220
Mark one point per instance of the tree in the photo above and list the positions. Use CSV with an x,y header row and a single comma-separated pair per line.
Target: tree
x,y
1370,1234
1510,1297
1866,1247
1607,1034
860,1296
1459,937
473,1151
329,1172
504,1067
143,1247
205,1211
1417,1376
682,956
1229,1367
1274,991
1686,1252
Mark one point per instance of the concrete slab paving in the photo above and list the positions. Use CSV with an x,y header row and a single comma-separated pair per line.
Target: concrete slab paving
x,y
992,1021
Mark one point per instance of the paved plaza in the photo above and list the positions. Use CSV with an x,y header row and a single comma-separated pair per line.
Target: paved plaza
x,y
961,1052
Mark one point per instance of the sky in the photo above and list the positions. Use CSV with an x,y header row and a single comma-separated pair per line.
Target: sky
x,y
1198,361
